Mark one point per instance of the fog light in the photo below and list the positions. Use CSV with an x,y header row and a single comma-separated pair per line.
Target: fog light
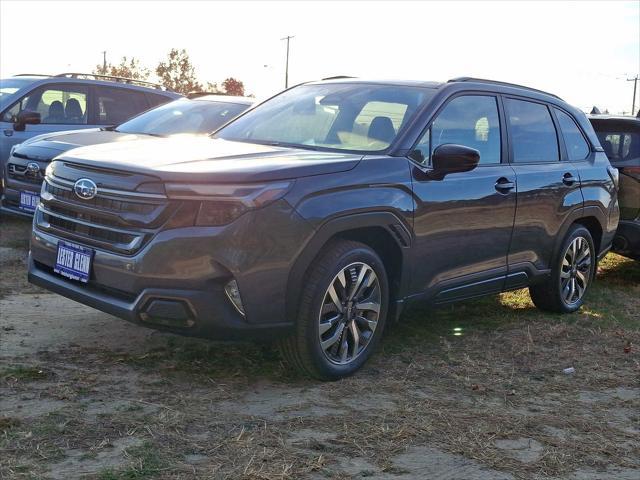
x,y
232,291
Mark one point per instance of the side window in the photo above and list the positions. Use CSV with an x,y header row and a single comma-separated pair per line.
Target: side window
x,y
577,147
116,105
63,104
470,120
533,133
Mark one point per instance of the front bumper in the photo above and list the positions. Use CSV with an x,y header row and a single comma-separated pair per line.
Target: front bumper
x,y
176,282
197,313
627,239
19,181
10,198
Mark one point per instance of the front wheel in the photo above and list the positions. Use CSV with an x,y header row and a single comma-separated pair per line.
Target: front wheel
x,y
342,312
571,274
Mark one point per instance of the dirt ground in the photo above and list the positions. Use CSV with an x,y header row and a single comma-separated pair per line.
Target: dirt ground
x,y
471,391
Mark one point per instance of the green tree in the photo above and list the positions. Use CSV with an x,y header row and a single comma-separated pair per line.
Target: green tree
x,y
233,87
177,73
128,68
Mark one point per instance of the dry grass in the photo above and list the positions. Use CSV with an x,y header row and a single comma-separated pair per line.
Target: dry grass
x,y
460,379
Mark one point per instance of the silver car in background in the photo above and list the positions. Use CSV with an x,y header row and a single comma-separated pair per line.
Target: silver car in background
x,y
24,172
31,104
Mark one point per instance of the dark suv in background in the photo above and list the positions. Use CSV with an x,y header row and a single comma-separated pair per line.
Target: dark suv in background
x,y
314,217
198,115
620,138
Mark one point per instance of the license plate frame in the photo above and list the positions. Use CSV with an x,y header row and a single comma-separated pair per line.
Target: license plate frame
x,y
74,261
28,201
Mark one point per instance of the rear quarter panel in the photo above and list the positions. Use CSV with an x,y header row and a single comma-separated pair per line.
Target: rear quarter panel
x,y
600,195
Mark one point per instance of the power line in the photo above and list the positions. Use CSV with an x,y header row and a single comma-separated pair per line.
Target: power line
x,y
286,70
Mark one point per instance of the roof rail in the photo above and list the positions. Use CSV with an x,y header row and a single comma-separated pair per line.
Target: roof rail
x,y
112,78
496,82
338,77
32,75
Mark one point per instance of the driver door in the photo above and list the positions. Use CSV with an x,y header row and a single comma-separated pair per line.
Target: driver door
x,y
463,222
61,107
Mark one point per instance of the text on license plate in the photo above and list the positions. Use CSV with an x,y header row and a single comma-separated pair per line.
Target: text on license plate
x,y
29,201
73,261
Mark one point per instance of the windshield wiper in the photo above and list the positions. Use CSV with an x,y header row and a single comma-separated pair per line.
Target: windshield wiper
x,y
114,129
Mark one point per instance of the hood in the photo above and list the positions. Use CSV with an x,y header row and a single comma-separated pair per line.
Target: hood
x,y
203,160
45,147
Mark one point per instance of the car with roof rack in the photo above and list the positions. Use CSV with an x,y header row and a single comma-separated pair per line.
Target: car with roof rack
x,y
33,104
313,218
620,137
200,113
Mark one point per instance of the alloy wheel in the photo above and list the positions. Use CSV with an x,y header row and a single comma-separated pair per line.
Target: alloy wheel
x,y
349,314
575,272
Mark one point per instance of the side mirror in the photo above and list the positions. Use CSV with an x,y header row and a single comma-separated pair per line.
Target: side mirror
x,y
451,158
25,117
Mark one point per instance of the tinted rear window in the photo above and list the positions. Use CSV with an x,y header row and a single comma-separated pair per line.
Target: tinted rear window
x,y
115,105
577,147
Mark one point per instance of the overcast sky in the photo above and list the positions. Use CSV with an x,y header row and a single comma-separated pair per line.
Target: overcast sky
x,y
582,51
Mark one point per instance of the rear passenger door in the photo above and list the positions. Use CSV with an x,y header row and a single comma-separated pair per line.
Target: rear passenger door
x,y
548,186
113,105
463,222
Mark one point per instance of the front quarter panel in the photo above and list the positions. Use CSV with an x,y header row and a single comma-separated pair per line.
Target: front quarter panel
x,y
376,193
376,184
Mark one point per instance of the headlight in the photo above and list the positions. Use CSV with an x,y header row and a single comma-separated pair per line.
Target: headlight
x,y
13,149
222,204
219,213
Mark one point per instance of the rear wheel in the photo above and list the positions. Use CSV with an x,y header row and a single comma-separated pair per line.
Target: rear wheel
x,y
571,275
342,312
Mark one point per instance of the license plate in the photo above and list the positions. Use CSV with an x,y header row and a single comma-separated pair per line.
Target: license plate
x,y
29,201
73,261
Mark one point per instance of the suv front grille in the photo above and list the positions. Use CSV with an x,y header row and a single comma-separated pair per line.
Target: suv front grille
x,y
102,203
114,220
20,173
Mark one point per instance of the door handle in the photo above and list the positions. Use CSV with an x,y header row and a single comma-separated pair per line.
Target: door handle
x,y
504,185
569,179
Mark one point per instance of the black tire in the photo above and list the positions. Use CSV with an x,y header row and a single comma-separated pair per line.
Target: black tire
x,y
302,350
549,295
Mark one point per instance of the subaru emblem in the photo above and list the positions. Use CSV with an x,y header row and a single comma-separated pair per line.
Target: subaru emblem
x,y
33,168
85,189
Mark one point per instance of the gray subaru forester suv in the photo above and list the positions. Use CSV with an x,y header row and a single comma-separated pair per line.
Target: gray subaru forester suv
x,y
314,217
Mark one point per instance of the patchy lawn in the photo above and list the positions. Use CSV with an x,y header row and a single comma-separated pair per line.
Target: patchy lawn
x,y
474,391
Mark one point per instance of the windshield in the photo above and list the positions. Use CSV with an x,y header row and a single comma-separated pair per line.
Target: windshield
x,y
9,86
354,117
183,116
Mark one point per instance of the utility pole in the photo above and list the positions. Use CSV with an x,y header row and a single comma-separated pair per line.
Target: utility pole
x,y
104,62
635,86
286,70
